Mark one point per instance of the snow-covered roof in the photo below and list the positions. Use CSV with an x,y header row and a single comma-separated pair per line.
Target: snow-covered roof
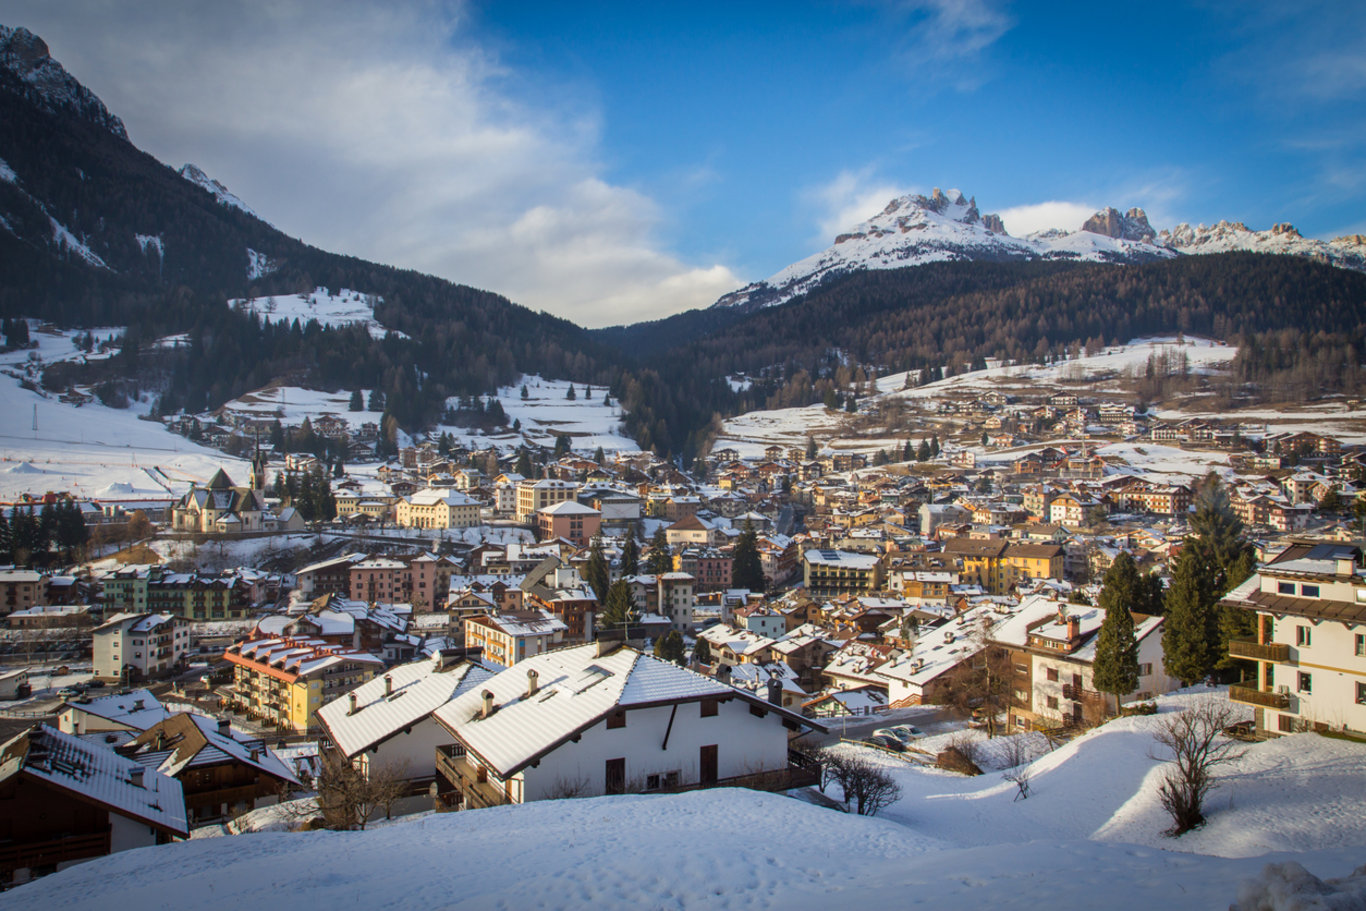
x,y
188,740
401,697
137,709
95,773
577,687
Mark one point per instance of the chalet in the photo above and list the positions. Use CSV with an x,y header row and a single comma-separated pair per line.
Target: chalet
x,y
221,777
387,721
64,800
595,719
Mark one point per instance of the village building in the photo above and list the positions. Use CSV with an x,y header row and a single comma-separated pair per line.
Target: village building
x,y
135,647
284,681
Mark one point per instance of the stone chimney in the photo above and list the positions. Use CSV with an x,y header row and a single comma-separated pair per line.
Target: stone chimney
x,y
531,685
487,710
775,691
1073,629
224,727
388,685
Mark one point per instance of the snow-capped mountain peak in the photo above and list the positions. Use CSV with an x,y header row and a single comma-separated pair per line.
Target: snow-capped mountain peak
x,y
221,193
47,83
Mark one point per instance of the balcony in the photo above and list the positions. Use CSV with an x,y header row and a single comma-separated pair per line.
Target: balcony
x,y
50,853
1252,696
1276,652
452,765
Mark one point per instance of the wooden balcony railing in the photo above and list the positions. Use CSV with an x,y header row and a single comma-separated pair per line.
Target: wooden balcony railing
x,y
1277,652
1252,696
55,851
452,764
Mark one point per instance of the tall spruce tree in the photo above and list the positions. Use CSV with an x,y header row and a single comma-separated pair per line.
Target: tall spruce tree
x,y
1226,559
618,611
1189,634
596,572
660,559
747,569
1116,664
630,556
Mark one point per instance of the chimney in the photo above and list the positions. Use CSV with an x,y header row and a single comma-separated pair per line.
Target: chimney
x,y
1062,613
138,705
1346,566
531,684
488,704
161,740
1073,629
775,691
135,776
353,708
388,685
255,754
224,727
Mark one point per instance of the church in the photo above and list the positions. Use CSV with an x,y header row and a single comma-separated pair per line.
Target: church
x,y
224,508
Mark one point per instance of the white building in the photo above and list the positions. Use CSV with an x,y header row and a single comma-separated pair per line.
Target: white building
x,y
387,721
586,721
138,646
437,507
1310,644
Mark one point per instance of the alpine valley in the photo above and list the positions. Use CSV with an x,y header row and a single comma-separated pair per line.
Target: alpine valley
x,y
96,233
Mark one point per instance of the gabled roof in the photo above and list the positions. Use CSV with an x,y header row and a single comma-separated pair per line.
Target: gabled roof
x,y
577,689
93,773
388,704
137,709
185,741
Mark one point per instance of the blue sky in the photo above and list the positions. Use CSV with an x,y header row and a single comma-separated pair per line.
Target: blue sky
x,y
611,162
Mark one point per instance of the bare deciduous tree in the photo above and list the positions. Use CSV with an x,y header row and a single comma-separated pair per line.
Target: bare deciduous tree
x,y
867,789
349,798
1197,743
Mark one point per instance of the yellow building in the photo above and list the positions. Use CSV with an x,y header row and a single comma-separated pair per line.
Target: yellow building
x,y
437,507
285,681
533,496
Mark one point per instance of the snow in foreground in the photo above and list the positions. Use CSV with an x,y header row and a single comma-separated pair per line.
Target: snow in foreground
x,y
1089,836
716,849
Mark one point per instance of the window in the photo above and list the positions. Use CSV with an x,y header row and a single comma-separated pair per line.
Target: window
x,y
1306,683
1361,646
1309,591
616,720
1145,669
1361,693
1285,724
1052,674
1285,588
1051,702
1303,635
710,707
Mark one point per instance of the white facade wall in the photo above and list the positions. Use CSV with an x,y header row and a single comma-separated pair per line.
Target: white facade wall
x,y
1335,663
126,834
413,753
745,744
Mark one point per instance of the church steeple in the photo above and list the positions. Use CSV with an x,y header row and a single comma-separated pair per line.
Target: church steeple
x,y
257,480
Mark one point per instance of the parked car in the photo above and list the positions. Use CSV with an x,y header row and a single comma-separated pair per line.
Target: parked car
x,y
96,684
903,732
886,742
68,692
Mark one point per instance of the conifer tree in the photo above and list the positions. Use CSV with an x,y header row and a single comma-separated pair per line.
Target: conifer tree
x,y
747,569
701,652
1189,634
630,556
596,572
357,401
618,612
1116,664
660,560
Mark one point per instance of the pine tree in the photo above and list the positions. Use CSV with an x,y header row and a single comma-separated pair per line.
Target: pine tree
x,y
524,464
701,652
922,452
1189,634
670,647
618,611
561,446
357,401
630,556
570,395
526,393
599,456
1116,663
810,447
660,560
596,572
747,569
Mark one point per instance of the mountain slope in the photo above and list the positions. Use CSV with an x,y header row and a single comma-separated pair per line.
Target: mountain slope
x,y
916,230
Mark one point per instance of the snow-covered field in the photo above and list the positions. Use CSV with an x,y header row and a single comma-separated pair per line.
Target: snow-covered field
x,y
344,308
547,412
1087,837
292,404
750,433
91,450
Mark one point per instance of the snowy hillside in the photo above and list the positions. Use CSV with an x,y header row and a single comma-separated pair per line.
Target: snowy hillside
x,y
221,193
915,230
88,449
1087,837
345,308
547,412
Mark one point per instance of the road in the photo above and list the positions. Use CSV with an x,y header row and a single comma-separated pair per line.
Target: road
x,y
930,719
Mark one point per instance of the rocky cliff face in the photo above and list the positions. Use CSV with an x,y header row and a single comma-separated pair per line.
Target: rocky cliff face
x,y
24,58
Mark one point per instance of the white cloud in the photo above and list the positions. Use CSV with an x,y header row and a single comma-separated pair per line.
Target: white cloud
x,y
1041,216
946,39
380,132
846,200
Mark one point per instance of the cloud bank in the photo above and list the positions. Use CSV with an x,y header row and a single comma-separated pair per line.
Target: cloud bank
x,y
384,133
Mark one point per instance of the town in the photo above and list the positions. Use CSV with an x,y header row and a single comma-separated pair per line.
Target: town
x,y
330,644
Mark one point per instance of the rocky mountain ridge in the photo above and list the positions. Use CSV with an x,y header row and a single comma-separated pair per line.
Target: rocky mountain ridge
x,y
915,230
24,56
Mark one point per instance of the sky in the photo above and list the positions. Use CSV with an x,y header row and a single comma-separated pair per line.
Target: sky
x,y
613,162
